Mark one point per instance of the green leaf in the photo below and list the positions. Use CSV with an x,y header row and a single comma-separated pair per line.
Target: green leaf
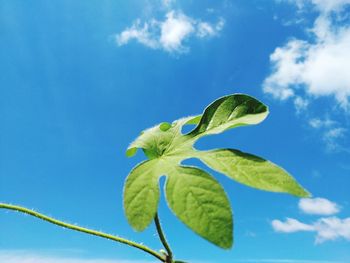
x,y
229,112
253,171
166,147
199,201
141,195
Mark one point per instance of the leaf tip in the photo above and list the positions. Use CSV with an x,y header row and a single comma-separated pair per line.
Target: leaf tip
x,y
305,194
227,245
300,192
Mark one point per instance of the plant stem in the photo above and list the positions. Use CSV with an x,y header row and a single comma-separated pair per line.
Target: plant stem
x,y
163,239
81,229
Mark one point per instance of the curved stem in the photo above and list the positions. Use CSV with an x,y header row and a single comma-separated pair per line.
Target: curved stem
x,y
163,239
82,229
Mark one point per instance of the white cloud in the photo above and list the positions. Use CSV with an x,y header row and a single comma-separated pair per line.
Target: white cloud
x,y
290,226
302,67
169,34
286,70
326,229
332,228
174,30
307,69
139,32
318,206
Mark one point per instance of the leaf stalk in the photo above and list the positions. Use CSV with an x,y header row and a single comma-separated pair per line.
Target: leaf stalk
x,y
162,238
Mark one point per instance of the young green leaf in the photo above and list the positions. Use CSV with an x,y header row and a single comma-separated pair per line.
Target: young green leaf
x,y
194,203
252,170
200,202
156,142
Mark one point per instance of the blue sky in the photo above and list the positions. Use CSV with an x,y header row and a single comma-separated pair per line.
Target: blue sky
x,y
80,79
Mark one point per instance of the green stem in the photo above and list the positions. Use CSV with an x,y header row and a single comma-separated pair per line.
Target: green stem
x,y
81,229
163,239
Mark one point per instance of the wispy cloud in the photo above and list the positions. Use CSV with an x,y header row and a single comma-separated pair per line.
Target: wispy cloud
x,y
332,132
318,123
171,33
331,137
326,228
